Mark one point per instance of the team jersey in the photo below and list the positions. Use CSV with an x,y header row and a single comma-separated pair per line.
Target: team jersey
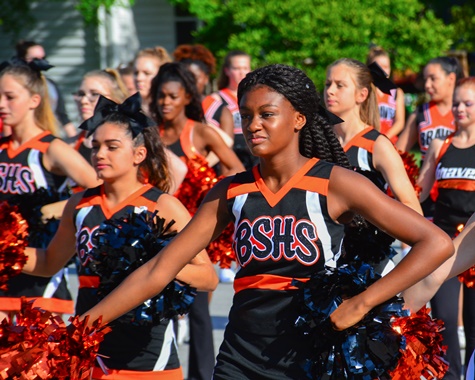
x,y
359,151
136,347
431,124
22,170
387,112
278,237
455,175
212,109
22,173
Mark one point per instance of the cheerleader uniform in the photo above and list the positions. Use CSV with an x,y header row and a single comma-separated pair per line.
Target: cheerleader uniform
x,y
22,173
455,175
132,345
201,355
387,112
240,147
368,242
279,236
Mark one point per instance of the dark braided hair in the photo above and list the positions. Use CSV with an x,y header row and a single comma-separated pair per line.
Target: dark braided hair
x,y
176,72
317,138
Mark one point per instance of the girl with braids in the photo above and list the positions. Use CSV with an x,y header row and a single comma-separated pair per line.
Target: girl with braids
x,y
128,157
289,213
146,65
34,168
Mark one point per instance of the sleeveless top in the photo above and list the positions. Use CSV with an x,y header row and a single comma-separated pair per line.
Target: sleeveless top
x,y
455,175
431,124
129,346
278,237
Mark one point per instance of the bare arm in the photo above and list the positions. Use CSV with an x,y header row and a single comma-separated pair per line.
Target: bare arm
x,y
61,159
46,262
199,272
426,177
388,161
399,117
350,191
150,279
226,122
408,136
464,258
177,169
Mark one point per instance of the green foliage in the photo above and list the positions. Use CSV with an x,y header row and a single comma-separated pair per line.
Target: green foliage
x,y
464,25
311,34
89,8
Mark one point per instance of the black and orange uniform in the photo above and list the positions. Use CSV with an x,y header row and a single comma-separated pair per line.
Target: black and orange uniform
x,y
279,236
430,125
212,109
368,242
191,192
240,147
455,176
22,174
135,345
387,112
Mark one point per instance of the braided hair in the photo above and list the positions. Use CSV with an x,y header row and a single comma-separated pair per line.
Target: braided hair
x,y
317,138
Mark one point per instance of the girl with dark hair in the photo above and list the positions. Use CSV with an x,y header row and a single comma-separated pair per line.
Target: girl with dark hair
x,y
129,158
235,67
176,107
288,213
35,168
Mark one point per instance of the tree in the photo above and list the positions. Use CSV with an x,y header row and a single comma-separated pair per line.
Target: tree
x,y
463,18
311,34
16,15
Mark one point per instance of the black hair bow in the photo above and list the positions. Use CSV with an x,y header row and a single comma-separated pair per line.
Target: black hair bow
x,y
331,117
380,78
37,65
130,108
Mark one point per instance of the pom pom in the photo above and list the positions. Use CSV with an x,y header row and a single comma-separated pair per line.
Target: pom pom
x,y
199,179
422,358
13,234
40,346
412,170
372,348
124,244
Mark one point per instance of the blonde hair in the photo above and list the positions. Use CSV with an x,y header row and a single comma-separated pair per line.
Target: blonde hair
x,y
369,111
117,89
158,52
35,83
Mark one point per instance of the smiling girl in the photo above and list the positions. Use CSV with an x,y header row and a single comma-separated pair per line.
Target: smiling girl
x,y
299,185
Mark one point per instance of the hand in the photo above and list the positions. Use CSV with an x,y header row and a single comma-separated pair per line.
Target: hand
x,y
349,313
52,211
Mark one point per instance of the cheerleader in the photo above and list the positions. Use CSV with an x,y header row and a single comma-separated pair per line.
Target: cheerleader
x,y
35,166
128,157
294,205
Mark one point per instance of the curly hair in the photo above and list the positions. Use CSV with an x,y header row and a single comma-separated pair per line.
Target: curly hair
x,y
154,169
197,54
317,138
176,72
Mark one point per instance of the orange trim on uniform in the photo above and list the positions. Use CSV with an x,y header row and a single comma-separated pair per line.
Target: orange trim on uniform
x,y
274,198
265,281
122,374
89,282
457,184
317,185
186,140
444,147
33,143
360,141
54,305
236,189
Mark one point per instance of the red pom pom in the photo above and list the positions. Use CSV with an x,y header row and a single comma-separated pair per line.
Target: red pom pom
x,y
40,346
423,355
13,235
412,170
200,179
